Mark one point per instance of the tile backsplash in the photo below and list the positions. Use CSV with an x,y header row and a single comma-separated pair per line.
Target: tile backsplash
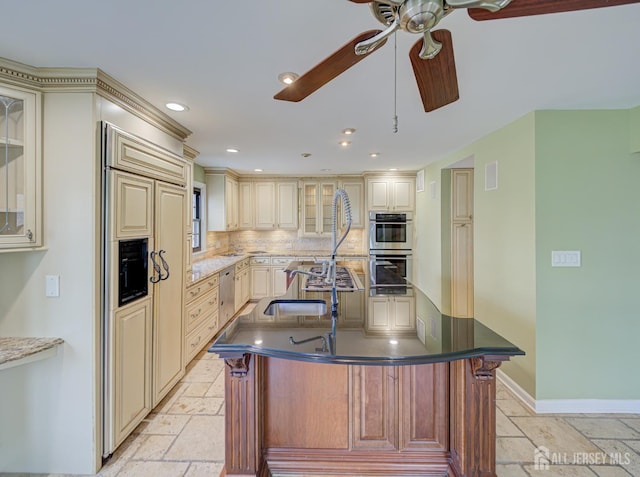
x,y
283,241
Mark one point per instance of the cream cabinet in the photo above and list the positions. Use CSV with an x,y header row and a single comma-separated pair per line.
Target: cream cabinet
x,y
20,169
317,208
278,277
355,191
391,313
462,302
242,284
260,279
132,367
222,201
391,193
266,205
201,315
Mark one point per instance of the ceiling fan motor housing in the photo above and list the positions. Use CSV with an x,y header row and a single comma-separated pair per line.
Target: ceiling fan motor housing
x,y
418,16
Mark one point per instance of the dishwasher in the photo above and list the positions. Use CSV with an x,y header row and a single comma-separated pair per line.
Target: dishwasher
x,y
227,294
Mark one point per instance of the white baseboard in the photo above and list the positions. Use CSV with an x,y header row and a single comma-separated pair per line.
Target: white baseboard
x,y
588,406
516,389
570,406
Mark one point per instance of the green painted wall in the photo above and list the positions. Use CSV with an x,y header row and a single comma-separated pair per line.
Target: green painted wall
x,y
587,198
198,173
504,240
634,129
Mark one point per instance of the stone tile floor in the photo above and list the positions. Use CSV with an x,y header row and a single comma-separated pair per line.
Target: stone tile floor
x,y
184,436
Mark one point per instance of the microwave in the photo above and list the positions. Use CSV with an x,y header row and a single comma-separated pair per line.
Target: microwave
x,y
390,231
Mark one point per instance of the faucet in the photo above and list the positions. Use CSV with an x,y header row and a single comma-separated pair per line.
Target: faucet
x,y
329,270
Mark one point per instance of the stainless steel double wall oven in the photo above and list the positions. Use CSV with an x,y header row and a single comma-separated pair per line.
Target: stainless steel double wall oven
x,y
390,252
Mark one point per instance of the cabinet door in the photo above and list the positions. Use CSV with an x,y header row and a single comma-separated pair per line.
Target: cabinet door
x,y
379,314
245,286
355,192
462,194
231,203
462,270
20,169
265,205
403,194
402,311
327,191
378,195
237,294
287,205
260,282
132,199
278,281
246,205
131,368
310,208
168,292
352,309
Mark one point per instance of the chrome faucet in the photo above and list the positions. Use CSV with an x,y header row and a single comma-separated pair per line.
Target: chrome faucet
x,y
329,272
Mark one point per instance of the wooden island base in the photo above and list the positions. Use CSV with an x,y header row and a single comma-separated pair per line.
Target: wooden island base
x,y
286,417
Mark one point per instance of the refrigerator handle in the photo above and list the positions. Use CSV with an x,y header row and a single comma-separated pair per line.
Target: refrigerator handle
x,y
156,268
164,264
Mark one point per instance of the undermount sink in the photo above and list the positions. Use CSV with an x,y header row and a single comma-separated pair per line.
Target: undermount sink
x,y
296,308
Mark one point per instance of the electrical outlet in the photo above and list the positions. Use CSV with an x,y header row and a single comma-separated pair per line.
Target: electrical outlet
x,y
52,286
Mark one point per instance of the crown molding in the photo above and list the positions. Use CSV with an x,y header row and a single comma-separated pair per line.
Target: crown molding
x,y
189,153
89,80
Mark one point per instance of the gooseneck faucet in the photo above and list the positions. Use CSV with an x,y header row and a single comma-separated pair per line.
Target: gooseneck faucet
x,y
329,270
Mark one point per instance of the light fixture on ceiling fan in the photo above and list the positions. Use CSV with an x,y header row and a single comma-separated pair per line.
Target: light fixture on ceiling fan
x,y
432,56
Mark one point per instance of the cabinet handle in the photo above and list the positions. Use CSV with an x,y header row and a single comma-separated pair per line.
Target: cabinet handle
x,y
30,235
194,292
197,313
156,268
164,264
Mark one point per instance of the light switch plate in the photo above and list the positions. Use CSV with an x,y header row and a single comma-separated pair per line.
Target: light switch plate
x,y
566,258
52,285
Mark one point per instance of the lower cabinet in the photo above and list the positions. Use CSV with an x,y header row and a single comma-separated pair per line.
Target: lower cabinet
x,y
268,277
391,313
132,367
201,315
242,284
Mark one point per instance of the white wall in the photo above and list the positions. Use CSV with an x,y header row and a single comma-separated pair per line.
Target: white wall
x,y
49,413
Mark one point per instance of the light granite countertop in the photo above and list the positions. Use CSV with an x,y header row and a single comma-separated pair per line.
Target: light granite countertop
x,y
205,267
14,351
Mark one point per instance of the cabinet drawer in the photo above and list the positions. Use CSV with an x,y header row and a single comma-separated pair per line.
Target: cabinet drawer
x,y
280,260
200,309
201,287
199,338
260,261
242,265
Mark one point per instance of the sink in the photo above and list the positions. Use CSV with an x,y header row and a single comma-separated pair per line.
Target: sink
x,y
296,308
232,254
257,251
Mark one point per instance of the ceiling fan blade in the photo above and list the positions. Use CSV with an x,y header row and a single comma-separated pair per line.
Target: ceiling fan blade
x,y
523,8
361,1
327,69
436,78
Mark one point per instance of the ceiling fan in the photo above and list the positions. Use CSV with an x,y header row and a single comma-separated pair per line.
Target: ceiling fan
x,y
432,56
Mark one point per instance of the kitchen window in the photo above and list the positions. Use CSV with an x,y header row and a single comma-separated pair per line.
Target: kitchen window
x,y
198,226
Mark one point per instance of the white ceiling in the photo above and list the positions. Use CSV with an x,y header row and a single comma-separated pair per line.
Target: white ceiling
x,y
223,58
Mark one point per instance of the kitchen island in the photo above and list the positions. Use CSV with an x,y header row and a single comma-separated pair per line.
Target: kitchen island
x,y
418,403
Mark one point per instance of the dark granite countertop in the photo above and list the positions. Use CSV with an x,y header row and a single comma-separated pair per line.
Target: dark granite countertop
x,y
442,338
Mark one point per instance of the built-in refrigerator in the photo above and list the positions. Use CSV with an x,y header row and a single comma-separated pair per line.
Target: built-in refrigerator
x,y
143,252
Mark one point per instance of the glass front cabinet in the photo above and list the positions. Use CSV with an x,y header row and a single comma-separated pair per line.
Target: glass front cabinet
x,y
20,169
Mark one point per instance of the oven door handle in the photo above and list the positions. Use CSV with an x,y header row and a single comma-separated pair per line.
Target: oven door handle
x,y
390,223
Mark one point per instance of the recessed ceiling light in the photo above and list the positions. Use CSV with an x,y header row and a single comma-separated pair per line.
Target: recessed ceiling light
x,y
393,169
306,154
233,149
374,154
345,143
177,107
257,170
348,131
287,77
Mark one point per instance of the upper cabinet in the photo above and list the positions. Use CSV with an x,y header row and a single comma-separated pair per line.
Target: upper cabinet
x,y
267,205
20,169
222,201
391,193
355,190
317,205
